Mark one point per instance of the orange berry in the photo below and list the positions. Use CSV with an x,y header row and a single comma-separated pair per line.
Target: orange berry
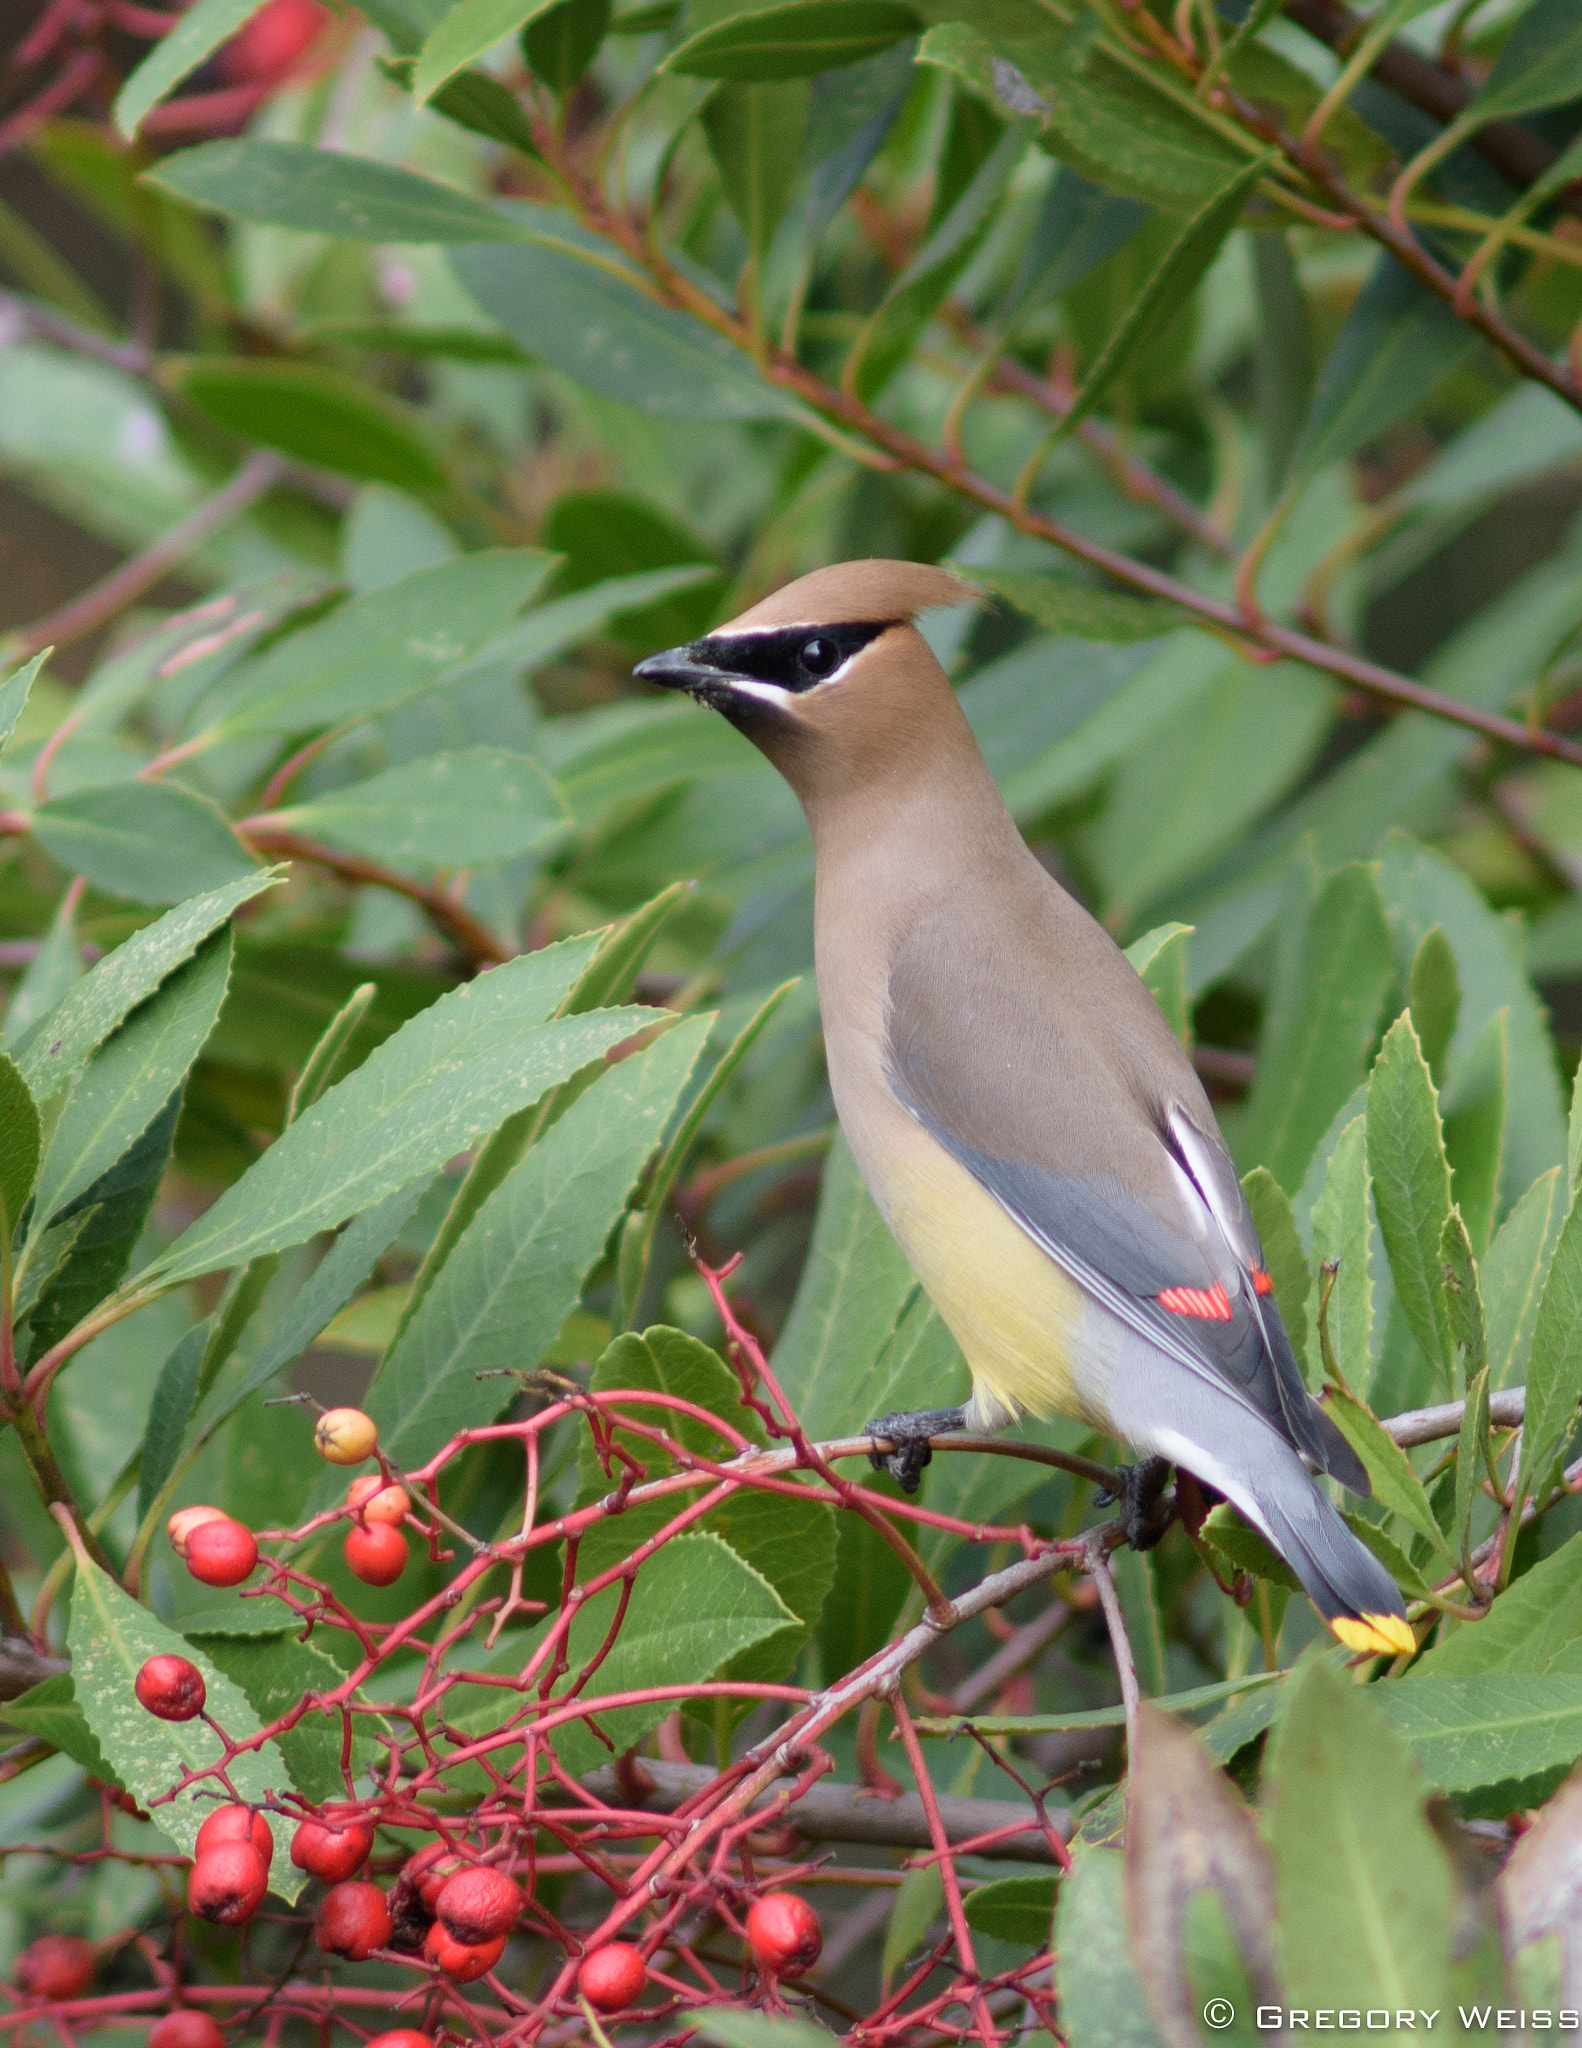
x,y
345,1436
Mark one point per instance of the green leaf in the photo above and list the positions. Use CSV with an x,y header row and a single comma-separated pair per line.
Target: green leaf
x,y
54,1049
1190,1701
1284,1258
1554,1366
1243,1549
19,1144
1399,342
175,1392
380,649
758,2029
1395,1485
870,1585
1184,265
1139,1597
52,973
1018,1909
1364,1887
150,841
1085,611
852,1290
50,1713
1160,957
517,1270
561,42
1100,1999
452,1074
1473,1107
755,138
467,809
1540,65
1411,1185
1331,971
14,694
110,1638
193,36
327,192
1433,995
317,414
1513,1274
467,31
576,306
130,1079
542,633
1469,1454
1534,1627
796,40
76,1264
1487,1729
1462,1300
1342,1237
275,1673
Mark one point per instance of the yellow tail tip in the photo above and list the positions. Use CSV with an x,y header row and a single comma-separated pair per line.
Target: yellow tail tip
x,y
1379,1635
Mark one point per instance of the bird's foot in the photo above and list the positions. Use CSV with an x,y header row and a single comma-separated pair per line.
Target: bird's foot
x,y
1146,1512
908,1435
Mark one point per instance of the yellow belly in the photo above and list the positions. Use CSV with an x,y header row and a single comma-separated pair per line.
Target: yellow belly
x,y
1014,1313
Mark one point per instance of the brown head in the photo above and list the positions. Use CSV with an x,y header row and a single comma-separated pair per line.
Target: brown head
x,y
831,679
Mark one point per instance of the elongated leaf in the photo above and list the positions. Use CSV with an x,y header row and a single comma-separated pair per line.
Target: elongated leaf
x,y
1469,1455
1096,1982
1167,289
1017,1909
1554,1367
380,649
795,40
1535,1626
575,305
1473,1106
517,1271
1189,1701
453,1073
327,192
318,414
563,41
1364,1888
19,1144
50,1712
168,1414
150,841
1411,1185
14,694
1085,611
274,1674
540,634
1398,343
111,1637
1160,957
1284,1258
1487,1729
1395,1484
51,974
1513,1274
755,135
1433,995
1462,1298
1540,65
865,1599
467,809
52,1052
131,1078
1241,1548
1079,226
1331,971
197,34
465,32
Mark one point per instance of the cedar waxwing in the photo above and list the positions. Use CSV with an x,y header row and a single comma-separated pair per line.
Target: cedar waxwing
x,y
1024,1117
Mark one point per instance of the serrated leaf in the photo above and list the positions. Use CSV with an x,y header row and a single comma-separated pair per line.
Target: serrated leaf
x,y
472,808
59,1043
456,1071
327,192
110,1638
275,1673
1462,1298
1241,1548
132,1076
1487,1729
516,1272
1554,1365
795,40
193,37
150,841
1084,611
1534,1626
1411,1186
1342,1237
1395,1484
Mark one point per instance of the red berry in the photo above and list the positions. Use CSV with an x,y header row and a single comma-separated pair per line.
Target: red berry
x,y
228,1883
236,1824
430,1870
461,1960
55,1966
331,1849
479,1905
221,1553
186,2029
171,1688
353,1920
612,1978
271,43
185,1520
377,1553
401,2037
785,1934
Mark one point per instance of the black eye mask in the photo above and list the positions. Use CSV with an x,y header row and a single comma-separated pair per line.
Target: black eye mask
x,y
793,658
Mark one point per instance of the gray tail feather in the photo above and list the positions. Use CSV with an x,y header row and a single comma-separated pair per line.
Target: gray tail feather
x,y
1340,1574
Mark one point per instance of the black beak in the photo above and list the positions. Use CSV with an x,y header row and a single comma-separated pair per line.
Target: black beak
x,y
678,669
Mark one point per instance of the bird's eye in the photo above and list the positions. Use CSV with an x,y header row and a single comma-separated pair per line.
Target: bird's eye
x,y
819,656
